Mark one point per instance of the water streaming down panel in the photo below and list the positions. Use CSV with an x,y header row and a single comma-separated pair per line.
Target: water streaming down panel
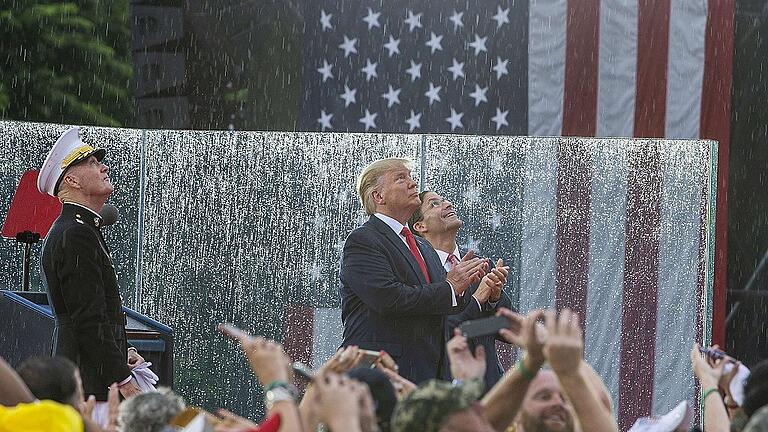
x,y
613,228
25,148
687,251
481,176
247,227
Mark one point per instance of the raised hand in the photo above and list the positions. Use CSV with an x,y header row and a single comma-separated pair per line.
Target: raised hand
x,y
267,358
525,332
465,366
368,422
729,372
338,404
564,348
386,361
403,387
345,359
87,406
113,405
709,375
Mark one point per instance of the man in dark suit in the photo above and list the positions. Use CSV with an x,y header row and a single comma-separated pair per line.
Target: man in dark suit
x,y
78,271
395,294
436,221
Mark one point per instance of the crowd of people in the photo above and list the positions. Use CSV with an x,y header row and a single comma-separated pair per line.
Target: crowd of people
x,y
406,290
550,388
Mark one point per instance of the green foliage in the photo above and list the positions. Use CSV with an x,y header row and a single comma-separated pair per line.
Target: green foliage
x,y
240,95
248,72
4,98
66,62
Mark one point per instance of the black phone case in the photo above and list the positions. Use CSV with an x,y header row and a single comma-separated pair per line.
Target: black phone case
x,y
483,327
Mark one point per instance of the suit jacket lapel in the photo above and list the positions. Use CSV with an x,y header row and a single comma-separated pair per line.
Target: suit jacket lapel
x,y
399,245
434,266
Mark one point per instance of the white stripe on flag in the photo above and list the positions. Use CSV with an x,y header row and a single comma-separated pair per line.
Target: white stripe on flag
x,y
328,331
617,68
685,70
678,275
537,244
606,262
546,66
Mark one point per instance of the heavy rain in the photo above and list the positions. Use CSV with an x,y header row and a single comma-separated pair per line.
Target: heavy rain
x,y
611,152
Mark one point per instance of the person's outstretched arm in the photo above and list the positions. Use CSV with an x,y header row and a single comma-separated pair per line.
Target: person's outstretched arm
x,y
715,414
14,391
564,350
273,369
502,402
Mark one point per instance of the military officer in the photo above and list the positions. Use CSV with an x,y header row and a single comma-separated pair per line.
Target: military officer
x,y
78,271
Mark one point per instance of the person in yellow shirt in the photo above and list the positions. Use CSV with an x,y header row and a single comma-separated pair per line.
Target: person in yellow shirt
x,y
43,416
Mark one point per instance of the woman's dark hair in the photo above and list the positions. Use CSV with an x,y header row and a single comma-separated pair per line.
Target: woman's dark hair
x,y
756,389
51,378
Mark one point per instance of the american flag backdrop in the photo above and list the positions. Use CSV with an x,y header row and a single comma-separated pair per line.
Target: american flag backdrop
x,y
619,230
411,66
623,68
590,68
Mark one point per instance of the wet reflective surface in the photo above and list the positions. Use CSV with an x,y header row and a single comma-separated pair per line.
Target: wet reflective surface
x,y
247,227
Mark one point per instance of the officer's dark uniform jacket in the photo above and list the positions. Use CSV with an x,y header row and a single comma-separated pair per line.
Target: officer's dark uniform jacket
x,y
82,288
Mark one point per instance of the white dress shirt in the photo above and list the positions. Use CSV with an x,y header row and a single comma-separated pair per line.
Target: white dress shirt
x,y
444,258
397,227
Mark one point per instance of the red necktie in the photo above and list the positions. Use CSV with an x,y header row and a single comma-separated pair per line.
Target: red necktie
x,y
452,260
415,251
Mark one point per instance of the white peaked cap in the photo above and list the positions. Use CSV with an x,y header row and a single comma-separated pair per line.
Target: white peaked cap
x,y
69,150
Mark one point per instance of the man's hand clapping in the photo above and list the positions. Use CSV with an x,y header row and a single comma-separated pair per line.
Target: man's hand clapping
x,y
468,271
492,283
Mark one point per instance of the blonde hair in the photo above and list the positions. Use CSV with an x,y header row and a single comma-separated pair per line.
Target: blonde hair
x,y
370,177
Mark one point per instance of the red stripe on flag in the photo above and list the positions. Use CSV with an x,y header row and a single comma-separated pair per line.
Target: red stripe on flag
x,y
506,354
581,66
298,336
641,282
716,124
298,332
652,56
574,192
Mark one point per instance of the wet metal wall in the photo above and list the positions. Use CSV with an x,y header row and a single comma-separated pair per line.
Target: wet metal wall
x,y
247,227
